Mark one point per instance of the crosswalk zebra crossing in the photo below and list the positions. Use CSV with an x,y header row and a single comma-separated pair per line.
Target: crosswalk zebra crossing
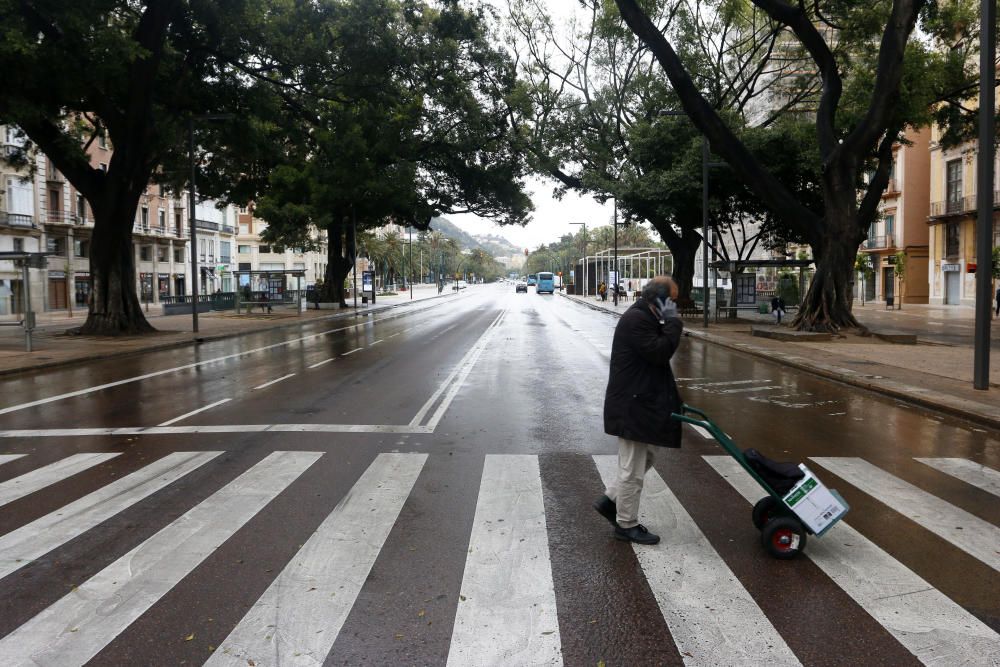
x,y
508,611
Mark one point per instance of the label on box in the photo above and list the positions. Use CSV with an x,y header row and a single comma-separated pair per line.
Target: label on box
x,y
813,503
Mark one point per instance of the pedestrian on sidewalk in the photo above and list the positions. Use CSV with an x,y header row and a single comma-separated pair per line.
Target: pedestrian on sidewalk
x,y
602,291
639,400
998,302
778,308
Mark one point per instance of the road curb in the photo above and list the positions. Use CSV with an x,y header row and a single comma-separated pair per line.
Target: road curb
x,y
198,340
956,410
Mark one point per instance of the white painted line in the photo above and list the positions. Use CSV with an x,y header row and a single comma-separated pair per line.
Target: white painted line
x,y
507,609
7,458
276,381
394,335
969,533
733,382
325,361
476,352
215,428
422,412
376,342
969,472
79,625
30,482
41,536
194,412
711,616
301,613
700,430
357,349
743,390
924,620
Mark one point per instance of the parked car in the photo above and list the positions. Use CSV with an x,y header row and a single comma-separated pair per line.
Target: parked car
x,y
521,287
461,284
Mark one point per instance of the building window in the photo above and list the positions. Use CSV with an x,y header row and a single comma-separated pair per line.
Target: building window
x,y
161,253
890,230
179,255
145,253
951,239
201,249
954,185
145,218
81,207
81,248
243,249
102,140
178,224
162,219
225,252
18,244
56,245
265,249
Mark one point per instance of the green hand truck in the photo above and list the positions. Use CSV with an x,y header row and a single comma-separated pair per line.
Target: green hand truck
x,y
784,520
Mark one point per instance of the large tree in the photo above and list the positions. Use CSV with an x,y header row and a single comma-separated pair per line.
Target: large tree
x,y
865,104
412,127
135,72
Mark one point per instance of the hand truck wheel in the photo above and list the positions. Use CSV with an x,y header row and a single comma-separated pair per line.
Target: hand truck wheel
x,y
783,537
763,511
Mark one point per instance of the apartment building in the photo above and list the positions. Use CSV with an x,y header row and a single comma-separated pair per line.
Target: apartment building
x,y
901,226
254,254
952,222
20,227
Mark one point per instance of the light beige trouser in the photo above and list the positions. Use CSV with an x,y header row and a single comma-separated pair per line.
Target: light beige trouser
x,y
634,459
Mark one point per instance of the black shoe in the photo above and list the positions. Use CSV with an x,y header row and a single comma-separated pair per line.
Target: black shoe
x,y
637,534
607,508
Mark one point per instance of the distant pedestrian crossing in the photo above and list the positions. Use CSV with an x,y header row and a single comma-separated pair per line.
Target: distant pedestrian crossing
x,y
508,610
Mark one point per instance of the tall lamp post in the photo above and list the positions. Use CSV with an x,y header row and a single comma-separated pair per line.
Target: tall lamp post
x,y
615,286
984,195
191,219
584,224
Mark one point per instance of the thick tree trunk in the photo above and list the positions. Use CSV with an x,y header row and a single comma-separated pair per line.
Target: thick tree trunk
x,y
684,248
114,305
827,304
339,263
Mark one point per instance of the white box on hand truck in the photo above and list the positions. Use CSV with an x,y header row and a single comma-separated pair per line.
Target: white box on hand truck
x,y
814,504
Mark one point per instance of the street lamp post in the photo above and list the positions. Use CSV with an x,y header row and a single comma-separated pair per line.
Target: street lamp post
x,y
191,219
984,193
410,277
584,224
615,286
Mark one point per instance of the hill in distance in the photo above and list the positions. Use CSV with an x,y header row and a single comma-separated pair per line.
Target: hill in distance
x,y
497,246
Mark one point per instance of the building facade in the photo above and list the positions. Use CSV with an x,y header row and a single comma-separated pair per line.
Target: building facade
x,y
901,226
952,222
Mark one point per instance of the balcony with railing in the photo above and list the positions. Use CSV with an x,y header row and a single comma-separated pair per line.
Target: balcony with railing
x,y
19,220
205,224
876,242
228,229
57,217
960,206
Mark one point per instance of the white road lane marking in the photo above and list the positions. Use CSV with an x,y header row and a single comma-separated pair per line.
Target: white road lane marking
x,y
357,349
41,536
700,430
969,472
451,380
507,609
375,342
926,622
275,381
711,616
731,383
299,616
325,361
969,533
194,412
7,458
32,481
743,390
216,428
79,625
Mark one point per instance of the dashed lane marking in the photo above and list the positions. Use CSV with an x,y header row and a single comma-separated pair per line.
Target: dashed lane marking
x,y
275,381
194,412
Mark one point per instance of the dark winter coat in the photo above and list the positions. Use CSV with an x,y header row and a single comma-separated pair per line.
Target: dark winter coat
x,y
641,390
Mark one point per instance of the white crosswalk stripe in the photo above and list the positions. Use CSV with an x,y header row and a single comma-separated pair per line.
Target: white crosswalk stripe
x,y
39,537
711,616
925,621
507,609
38,479
969,533
300,615
970,472
7,458
79,625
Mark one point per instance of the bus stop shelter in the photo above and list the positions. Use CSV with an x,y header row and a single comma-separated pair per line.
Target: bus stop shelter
x,y
25,261
266,289
748,292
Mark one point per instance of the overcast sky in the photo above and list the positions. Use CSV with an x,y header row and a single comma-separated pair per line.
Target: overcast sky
x,y
550,220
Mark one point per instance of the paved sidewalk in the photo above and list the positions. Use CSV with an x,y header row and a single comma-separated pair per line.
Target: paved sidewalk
x,y
52,346
930,374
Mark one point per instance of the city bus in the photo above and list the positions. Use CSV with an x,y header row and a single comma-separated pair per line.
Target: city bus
x,y
546,283
532,279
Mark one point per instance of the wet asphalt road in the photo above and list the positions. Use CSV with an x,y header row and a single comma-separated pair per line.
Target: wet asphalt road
x,y
458,385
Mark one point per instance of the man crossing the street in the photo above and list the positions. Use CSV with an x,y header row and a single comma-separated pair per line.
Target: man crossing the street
x,y
639,400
